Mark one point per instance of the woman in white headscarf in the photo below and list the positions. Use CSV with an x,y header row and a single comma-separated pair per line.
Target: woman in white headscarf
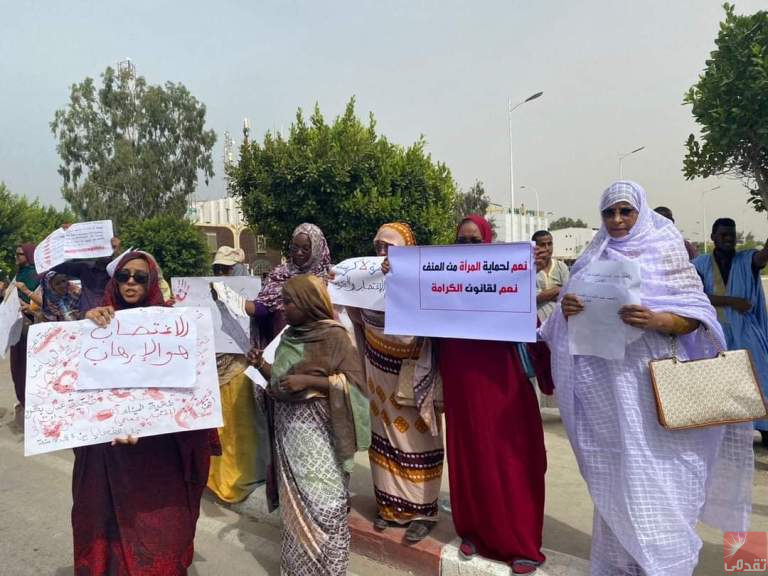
x,y
650,486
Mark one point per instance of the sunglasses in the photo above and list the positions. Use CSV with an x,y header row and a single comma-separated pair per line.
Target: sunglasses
x,y
140,277
623,212
465,240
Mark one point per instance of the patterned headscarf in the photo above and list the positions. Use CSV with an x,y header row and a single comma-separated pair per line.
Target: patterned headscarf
x,y
153,296
57,307
396,234
319,264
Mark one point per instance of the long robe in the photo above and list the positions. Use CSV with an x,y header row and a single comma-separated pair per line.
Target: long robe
x,y
748,330
495,445
135,508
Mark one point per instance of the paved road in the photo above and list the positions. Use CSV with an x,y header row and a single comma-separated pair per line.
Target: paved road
x,y
35,536
35,530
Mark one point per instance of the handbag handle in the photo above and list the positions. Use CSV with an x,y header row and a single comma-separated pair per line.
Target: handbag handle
x,y
714,342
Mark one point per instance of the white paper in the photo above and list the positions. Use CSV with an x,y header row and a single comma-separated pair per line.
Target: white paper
x,y
140,348
58,416
81,240
473,291
256,377
359,282
598,330
10,319
196,291
233,300
269,356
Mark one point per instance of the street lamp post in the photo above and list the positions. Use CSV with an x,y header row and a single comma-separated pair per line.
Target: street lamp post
x,y
704,219
511,108
621,159
536,192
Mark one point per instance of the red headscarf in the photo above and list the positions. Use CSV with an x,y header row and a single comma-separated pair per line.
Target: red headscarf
x,y
29,252
153,296
486,231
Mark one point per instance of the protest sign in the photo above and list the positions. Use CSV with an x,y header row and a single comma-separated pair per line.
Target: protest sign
x,y
477,291
603,289
81,240
359,282
142,347
59,416
231,331
10,319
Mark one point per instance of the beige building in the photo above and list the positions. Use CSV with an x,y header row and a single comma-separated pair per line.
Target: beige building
x,y
223,224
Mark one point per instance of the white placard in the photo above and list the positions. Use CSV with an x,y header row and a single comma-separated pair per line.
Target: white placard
x,y
269,356
473,291
140,348
359,282
81,240
196,291
604,288
58,416
10,319
233,300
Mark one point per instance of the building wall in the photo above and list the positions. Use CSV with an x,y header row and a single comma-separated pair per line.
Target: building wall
x,y
569,243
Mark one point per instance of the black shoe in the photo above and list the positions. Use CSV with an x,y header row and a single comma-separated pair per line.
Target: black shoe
x,y
418,530
764,436
379,524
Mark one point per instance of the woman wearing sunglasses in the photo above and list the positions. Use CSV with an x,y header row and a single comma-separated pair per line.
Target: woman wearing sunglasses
x,y
136,501
494,439
650,486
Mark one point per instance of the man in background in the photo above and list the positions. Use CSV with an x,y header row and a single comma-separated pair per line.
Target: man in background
x,y
667,213
551,275
732,282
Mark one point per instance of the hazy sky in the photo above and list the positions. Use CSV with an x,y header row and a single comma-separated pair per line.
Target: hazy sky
x,y
613,75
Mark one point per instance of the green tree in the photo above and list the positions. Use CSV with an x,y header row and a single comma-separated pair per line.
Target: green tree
x,y
345,178
564,222
24,221
178,245
730,103
129,149
473,201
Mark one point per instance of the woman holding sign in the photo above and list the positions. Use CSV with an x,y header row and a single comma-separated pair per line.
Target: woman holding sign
x,y
136,502
494,439
650,486
309,254
321,418
406,452
26,282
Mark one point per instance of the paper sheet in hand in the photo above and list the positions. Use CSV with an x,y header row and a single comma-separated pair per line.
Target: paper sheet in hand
x,y
10,319
58,416
141,348
81,240
231,298
269,356
475,291
359,282
598,330
196,291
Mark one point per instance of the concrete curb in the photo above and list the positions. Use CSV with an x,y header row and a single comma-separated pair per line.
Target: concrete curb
x,y
433,556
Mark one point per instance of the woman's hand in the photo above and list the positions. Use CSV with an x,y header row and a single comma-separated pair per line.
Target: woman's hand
x,y
23,288
571,305
639,317
385,266
296,382
101,316
129,440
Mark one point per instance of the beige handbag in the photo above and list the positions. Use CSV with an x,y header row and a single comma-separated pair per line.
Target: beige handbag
x,y
707,392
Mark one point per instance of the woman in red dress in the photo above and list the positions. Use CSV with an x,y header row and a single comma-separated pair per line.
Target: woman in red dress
x,y
495,440
136,502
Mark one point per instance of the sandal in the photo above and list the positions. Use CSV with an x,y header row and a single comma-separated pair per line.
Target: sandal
x,y
418,530
524,566
467,550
